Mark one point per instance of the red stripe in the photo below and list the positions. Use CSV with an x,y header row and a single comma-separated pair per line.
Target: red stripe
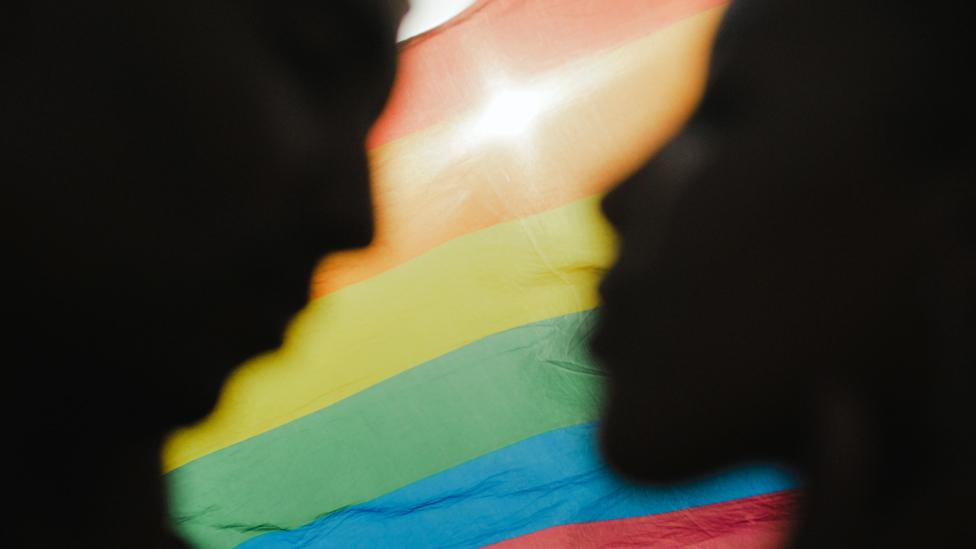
x,y
752,523
440,78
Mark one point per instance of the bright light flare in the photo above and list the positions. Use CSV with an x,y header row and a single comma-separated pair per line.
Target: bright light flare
x,y
510,113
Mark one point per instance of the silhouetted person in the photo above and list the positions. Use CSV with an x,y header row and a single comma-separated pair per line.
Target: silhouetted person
x,y
798,273
172,172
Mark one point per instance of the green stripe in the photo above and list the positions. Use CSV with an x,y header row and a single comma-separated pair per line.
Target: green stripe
x,y
477,399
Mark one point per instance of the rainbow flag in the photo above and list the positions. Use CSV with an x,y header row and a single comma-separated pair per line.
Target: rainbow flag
x,y
437,391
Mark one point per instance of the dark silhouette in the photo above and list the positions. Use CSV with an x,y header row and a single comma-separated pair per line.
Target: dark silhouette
x,y
172,172
798,273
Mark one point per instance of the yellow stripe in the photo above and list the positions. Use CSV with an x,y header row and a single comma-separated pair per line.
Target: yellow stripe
x,y
476,285
620,106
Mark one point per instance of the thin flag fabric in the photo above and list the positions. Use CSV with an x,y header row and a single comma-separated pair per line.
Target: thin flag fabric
x,y
437,391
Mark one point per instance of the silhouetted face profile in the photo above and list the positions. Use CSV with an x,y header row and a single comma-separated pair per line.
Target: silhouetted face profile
x,y
173,170
772,253
182,167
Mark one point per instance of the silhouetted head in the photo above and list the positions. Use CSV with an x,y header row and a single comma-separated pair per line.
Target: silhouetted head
x,y
180,166
791,244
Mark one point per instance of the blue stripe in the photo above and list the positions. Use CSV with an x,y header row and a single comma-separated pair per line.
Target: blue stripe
x,y
552,479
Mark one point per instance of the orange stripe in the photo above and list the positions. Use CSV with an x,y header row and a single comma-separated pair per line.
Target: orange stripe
x,y
759,522
444,72
604,116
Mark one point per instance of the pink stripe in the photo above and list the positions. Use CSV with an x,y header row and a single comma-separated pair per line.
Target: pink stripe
x,y
445,72
760,522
